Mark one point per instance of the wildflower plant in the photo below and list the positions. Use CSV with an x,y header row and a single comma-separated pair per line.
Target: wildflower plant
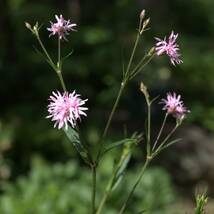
x,y
67,108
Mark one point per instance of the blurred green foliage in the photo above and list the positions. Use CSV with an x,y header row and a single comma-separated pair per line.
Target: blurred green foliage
x,y
63,188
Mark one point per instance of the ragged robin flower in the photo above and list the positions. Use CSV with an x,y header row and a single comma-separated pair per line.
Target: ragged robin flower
x,y
61,28
174,105
170,47
66,109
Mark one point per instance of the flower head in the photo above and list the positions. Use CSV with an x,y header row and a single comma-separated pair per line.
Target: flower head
x,y
66,108
174,105
169,47
61,27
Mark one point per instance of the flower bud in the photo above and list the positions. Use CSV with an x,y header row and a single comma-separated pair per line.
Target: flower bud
x,y
144,90
28,26
35,28
142,14
151,51
145,23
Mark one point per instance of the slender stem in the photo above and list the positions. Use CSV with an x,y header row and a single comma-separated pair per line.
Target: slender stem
x,y
45,51
132,54
160,132
134,49
113,109
107,192
59,52
167,137
124,81
123,84
59,73
93,196
104,198
134,186
139,70
138,65
148,128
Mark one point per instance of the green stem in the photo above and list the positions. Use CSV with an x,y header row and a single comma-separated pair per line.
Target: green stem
x,y
138,65
134,186
107,192
59,70
165,140
113,109
59,74
134,49
139,70
121,87
123,84
160,132
104,198
148,129
124,81
45,51
59,54
93,196
132,54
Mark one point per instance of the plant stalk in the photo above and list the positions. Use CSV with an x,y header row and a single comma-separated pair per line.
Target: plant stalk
x,y
104,198
59,53
148,159
59,74
148,149
45,51
165,140
133,74
93,196
160,132
123,84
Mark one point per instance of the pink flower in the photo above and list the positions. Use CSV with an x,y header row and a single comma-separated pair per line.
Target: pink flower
x,y
66,108
169,47
174,105
61,27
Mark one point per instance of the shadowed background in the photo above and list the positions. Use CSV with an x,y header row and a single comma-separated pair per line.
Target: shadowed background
x,y
39,165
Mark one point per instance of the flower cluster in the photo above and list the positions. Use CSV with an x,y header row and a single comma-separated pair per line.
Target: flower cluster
x,y
66,108
174,105
169,47
61,27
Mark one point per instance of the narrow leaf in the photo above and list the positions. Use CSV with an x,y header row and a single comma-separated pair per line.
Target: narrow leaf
x,y
121,170
124,159
68,55
73,136
141,212
117,143
167,145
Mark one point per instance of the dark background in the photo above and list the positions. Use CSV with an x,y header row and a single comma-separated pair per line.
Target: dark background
x,y
31,150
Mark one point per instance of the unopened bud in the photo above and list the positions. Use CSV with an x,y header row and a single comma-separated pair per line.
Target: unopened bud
x,y
35,28
143,89
28,26
145,23
151,51
142,14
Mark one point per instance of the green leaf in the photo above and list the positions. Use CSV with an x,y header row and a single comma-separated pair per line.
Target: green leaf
x,y
73,136
121,170
124,159
167,145
118,143
141,212
67,56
